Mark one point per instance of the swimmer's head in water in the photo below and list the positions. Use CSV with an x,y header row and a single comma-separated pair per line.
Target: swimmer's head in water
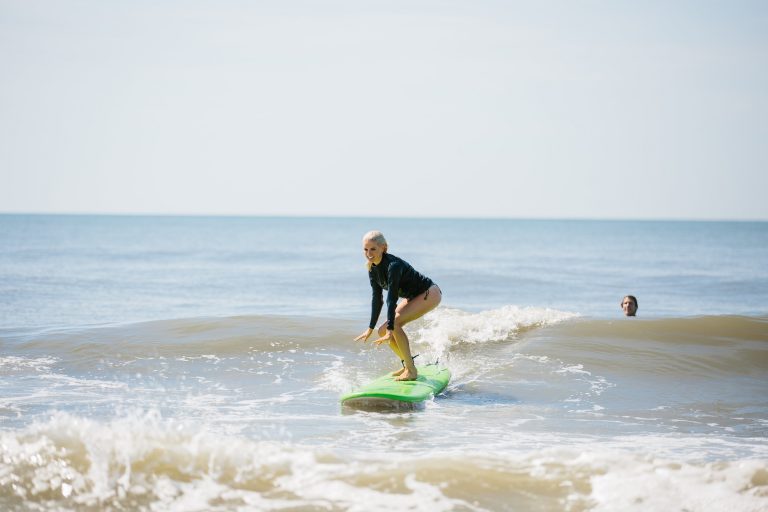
x,y
629,305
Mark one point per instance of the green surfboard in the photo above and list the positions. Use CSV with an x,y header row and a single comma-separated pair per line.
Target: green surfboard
x,y
386,392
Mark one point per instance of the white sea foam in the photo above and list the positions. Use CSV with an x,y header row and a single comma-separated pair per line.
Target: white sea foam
x,y
445,327
335,377
143,461
66,380
646,483
18,364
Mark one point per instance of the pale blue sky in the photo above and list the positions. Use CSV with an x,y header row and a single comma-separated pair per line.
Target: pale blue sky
x,y
370,108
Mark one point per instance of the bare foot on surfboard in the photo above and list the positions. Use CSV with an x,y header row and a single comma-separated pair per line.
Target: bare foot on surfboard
x,y
397,372
406,375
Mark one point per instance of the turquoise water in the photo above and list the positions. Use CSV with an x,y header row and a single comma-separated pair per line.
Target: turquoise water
x,y
196,363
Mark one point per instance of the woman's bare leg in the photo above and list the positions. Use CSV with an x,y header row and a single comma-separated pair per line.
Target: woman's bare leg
x,y
393,343
408,311
412,310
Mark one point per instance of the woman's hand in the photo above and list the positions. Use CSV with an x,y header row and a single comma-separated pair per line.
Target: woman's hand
x,y
365,335
387,338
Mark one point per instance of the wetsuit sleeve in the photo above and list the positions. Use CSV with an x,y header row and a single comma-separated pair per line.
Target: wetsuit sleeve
x,y
395,274
376,302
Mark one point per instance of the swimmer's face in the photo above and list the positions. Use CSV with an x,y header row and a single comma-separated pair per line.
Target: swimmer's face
x,y
628,306
373,251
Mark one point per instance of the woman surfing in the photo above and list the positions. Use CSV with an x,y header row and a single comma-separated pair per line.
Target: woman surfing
x,y
388,272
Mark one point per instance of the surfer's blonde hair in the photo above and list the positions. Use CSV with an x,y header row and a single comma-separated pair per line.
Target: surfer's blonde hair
x,y
374,236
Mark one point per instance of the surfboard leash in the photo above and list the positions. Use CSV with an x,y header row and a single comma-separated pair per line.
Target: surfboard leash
x,y
402,361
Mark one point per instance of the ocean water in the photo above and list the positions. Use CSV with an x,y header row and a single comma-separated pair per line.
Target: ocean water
x,y
195,363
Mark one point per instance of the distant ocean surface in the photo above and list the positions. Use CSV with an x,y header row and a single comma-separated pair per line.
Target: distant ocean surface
x,y
196,363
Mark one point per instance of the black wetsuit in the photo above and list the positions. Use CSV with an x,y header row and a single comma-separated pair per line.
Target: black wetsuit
x,y
400,280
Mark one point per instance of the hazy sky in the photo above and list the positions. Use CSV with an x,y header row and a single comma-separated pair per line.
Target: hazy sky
x,y
583,109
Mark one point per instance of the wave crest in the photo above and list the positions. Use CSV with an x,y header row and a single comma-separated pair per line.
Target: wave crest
x,y
445,327
146,463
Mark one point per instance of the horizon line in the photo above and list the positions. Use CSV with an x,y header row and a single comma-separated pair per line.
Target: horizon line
x,y
393,217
